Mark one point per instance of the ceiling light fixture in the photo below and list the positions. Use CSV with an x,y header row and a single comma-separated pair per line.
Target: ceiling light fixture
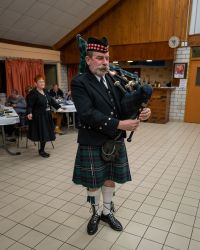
x,y
129,61
115,62
148,60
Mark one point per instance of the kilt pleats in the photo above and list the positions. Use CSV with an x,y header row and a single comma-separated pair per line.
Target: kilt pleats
x,y
91,171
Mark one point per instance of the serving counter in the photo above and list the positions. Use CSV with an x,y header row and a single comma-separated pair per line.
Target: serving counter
x,y
160,104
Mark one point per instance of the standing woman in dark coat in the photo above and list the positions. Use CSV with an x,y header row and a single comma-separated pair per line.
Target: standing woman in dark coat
x,y
41,126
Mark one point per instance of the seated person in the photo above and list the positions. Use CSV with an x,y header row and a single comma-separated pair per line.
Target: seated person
x,y
16,101
56,92
19,104
69,95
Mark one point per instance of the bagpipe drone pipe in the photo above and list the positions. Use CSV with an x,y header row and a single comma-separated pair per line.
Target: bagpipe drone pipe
x,y
135,94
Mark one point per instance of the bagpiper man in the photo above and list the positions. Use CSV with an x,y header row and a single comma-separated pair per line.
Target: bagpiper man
x,y
98,104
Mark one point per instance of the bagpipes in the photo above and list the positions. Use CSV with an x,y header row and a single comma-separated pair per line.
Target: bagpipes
x,y
136,95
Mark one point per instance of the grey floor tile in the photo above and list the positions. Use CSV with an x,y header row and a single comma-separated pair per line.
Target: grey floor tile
x,y
80,239
68,247
127,240
125,213
161,223
177,241
147,245
32,221
142,218
196,234
5,242
74,222
46,226
108,235
185,219
194,245
18,246
6,224
32,238
156,235
165,213
62,233
49,243
17,232
99,244
135,228
59,216
181,229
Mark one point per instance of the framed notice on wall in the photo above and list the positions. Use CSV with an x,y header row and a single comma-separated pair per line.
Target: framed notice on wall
x,y
180,70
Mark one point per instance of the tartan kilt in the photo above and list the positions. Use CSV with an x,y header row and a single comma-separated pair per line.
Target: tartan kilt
x,y
91,171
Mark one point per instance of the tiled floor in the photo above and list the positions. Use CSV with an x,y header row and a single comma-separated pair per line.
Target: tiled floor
x,y
41,209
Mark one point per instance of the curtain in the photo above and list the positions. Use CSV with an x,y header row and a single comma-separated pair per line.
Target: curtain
x,y
20,74
72,70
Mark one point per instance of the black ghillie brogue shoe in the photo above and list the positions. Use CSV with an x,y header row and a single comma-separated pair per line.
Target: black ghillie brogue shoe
x,y
93,223
112,221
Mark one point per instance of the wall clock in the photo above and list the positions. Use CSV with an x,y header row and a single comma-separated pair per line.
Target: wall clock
x,y
174,42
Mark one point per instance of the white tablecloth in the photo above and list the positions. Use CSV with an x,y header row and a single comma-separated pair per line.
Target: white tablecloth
x,y
68,108
9,118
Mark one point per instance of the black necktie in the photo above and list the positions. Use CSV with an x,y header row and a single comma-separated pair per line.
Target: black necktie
x,y
102,82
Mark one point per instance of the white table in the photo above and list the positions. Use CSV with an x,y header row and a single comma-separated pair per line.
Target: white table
x,y
68,109
8,119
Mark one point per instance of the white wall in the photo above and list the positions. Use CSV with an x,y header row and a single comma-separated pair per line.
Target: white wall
x,y
63,81
178,96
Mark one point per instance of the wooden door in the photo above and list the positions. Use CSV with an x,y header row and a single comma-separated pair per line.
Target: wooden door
x,y
192,110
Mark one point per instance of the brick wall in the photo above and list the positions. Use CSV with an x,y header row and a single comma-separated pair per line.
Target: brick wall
x,y
63,77
178,96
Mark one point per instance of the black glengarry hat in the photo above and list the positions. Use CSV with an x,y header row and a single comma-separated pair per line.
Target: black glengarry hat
x,y
99,45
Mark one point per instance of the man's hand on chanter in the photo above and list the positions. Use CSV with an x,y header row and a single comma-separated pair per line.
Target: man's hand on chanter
x,y
129,125
145,114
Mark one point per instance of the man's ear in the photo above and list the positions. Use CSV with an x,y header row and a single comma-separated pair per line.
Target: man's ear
x,y
87,59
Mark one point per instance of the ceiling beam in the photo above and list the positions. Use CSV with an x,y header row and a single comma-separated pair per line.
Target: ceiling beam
x,y
86,23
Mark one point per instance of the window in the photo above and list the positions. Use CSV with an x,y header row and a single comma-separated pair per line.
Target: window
x,y
196,52
197,83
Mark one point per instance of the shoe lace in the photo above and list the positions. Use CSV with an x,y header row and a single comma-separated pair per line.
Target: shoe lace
x,y
95,218
95,215
111,215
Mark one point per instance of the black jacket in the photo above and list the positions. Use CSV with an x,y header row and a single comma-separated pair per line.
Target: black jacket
x,y
37,103
41,127
99,115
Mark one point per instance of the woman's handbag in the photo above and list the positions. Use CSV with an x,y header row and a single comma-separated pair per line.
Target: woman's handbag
x,y
110,150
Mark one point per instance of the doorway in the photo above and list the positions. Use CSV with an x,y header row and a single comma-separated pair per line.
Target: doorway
x,y
50,71
192,113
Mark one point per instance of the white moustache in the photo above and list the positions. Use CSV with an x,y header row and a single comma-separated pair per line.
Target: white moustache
x,y
103,68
